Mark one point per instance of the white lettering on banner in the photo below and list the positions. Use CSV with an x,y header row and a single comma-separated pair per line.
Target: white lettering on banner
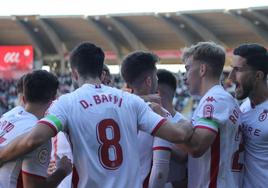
x,y
12,57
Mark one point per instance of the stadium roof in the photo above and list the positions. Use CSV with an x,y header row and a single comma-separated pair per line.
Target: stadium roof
x,y
164,33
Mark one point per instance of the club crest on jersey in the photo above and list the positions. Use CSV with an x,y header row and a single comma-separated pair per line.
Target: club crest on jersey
x,y
208,111
210,99
43,156
263,115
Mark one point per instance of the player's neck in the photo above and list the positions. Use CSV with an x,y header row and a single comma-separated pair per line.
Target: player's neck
x,y
207,84
259,94
82,81
37,109
168,106
140,91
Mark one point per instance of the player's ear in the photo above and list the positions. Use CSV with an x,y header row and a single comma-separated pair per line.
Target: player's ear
x,y
148,81
202,69
103,74
23,99
75,74
259,75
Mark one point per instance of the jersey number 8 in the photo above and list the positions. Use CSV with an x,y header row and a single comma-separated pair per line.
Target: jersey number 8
x,y
110,150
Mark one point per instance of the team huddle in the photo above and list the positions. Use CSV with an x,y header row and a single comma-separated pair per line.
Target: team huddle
x,y
102,137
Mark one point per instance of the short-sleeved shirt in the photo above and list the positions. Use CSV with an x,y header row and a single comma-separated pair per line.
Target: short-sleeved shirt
x,y
220,165
255,131
61,147
177,171
13,111
147,144
103,123
34,163
245,106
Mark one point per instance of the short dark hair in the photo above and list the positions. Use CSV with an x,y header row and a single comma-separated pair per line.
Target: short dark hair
x,y
88,59
40,86
106,68
19,88
255,54
167,77
207,52
138,64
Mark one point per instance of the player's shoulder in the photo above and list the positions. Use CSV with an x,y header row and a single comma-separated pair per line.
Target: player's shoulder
x,y
13,111
218,94
245,106
25,118
125,94
19,114
64,99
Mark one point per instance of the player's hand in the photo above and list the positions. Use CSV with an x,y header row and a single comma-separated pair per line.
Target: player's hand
x,y
65,164
51,167
152,98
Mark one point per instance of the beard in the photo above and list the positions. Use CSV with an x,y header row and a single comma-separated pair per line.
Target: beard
x,y
243,91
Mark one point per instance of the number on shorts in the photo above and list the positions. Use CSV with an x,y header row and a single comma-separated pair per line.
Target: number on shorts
x,y
110,151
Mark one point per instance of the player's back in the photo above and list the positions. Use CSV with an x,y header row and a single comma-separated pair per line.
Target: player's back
x,y
103,126
219,165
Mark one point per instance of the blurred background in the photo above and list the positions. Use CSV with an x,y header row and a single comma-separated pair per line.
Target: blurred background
x,y
41,34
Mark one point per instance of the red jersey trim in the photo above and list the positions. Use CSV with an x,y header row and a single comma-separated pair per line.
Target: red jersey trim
x,y
162,148
50,125
158,126
204,127
33,175
75,178
19,181
215,161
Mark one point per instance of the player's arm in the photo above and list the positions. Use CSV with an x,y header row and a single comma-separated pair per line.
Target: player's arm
x,y
26,142
152,98
160,168
201,140
195,140
178,155
178,133
64,169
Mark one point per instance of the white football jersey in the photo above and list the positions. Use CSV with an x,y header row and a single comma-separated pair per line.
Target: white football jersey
x,y
13,111
220,165
255,131
103,124
245,106
148,143
60,148
34,163
177,172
